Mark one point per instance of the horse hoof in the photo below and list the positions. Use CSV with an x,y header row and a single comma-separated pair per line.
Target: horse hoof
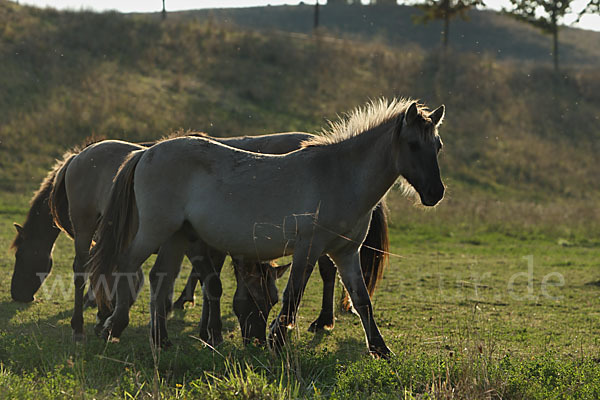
x,y
203,335
178,305
319,325
108,331
89,304
215,340
277,338
380,352
79,337
98,328
105,334
115,325
162,343
256,342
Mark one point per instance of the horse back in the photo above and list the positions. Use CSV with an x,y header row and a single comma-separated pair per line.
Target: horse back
x,y
276,143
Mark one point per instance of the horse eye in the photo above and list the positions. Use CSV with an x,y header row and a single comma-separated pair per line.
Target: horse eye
x,y
414,146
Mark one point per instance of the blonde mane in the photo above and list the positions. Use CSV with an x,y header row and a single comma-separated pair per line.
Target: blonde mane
x,y
362,119
183,133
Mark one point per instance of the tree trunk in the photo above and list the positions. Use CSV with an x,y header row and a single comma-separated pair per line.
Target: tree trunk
x,y
446,30
554,19
316,21
446,8
555,47
164,10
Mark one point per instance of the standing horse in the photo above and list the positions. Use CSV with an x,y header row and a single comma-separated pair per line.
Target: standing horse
x,y
90,175
313,201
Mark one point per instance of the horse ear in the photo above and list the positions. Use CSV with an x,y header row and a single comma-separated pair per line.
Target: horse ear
x,y
437,115
410,115
279,271
18,227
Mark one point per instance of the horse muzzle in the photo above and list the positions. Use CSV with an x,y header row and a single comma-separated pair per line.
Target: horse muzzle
x,y
431,197
21,292
21,297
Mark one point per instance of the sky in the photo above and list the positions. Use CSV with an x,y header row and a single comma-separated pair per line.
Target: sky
x,y
591,22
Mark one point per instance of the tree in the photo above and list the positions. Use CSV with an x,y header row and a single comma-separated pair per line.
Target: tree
x,y
592,7
543,14
164,10
445,10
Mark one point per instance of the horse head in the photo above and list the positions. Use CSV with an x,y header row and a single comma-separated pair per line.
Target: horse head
x,y
32,265
418,145
255,296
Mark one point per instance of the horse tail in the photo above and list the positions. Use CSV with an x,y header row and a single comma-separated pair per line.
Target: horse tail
x,y
373,253
115,230
58,201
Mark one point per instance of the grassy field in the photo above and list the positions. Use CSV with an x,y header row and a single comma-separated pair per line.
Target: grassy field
x,y
495,293
470,311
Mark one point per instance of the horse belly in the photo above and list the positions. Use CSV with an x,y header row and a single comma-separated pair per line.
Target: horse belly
x,y
244,234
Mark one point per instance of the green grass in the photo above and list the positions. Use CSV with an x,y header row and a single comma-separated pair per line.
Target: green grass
x,y
492,294
461,307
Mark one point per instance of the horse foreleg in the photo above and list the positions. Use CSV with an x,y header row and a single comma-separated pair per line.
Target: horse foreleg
x,y
162,276
89,299
326,318
350,272
104,311
302,266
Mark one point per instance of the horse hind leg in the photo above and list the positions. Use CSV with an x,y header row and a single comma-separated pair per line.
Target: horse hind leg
x,y
326,319
187,294
83,239
126,279
105,310
212,291
207,265
162,277
196,252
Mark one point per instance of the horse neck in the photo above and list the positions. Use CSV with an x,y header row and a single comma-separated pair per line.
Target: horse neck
x,y
39,226
366,163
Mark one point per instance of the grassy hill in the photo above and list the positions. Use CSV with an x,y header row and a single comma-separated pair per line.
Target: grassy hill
x,y
485,32
512,132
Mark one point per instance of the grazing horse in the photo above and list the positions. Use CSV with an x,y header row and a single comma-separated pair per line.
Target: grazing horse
x,y
77,203
313,201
